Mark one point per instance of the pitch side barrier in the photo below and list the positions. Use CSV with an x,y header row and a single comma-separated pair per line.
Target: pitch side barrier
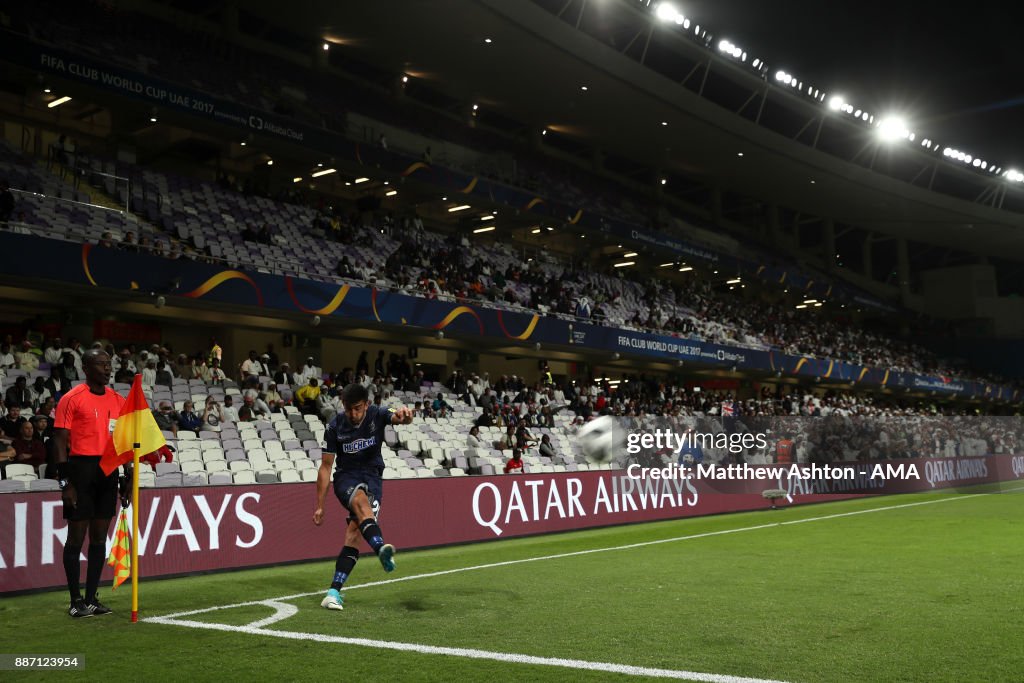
x,y
208,528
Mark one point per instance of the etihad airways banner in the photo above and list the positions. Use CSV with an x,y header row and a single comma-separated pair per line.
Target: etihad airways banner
x,y
184,530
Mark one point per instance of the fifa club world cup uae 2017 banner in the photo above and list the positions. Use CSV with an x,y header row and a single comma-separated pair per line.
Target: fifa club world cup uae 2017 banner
x,y
115,270
208,528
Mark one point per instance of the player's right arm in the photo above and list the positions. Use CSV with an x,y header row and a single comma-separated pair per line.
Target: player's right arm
x,y
323,483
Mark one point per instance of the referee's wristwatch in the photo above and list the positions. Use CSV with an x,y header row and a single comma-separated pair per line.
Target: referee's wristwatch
x,y
62,483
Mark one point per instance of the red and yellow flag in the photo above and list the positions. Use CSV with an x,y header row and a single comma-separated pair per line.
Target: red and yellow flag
x,y
135,425
121,553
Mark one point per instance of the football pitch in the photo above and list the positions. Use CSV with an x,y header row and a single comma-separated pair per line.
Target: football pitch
x,y
924,587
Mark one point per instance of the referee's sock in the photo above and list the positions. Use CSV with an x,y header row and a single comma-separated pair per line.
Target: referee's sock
x,y
97,560
346,562
72,569
371,532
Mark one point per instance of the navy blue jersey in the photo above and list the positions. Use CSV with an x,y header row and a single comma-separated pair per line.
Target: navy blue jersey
x,y
358,447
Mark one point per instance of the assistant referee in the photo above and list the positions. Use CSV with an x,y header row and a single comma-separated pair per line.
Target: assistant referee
x,y
85,418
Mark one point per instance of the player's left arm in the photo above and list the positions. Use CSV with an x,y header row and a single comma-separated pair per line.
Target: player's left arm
x,y
401,415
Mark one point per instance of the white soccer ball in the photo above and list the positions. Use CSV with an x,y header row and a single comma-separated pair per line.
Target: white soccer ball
x,y
597,440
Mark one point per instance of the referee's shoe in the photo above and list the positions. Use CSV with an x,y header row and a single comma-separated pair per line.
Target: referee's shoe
x,y
80,609
98,608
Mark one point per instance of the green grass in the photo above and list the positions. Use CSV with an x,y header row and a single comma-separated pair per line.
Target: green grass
x,y
925,593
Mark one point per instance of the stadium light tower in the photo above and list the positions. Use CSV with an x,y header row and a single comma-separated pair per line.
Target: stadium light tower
x,y
893,128
836,103
668,12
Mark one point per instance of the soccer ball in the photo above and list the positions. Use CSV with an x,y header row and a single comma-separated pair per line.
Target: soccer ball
x,y
597,440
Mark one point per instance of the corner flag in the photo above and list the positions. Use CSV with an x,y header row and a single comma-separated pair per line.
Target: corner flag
x,y
135,425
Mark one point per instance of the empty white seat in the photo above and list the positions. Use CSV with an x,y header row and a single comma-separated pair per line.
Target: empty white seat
x,y
195,479
213,454
239,465
216,466
192,466
189,456
245,477
290,476
308,475
258,459
209,456
15,471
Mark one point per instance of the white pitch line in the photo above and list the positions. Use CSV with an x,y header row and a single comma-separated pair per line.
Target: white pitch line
x,y
577,553
507,657
283,610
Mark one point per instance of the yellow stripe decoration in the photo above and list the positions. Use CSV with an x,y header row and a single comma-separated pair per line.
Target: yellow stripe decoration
x,y
335,302
534,202
469,188
219,279
414,167
576,219
86,248
455,313
529,329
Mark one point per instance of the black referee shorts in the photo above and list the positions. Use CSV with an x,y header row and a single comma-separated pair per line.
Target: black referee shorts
x,y
97,493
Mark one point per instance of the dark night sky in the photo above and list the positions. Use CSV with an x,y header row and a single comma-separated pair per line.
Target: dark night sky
x,y
956,71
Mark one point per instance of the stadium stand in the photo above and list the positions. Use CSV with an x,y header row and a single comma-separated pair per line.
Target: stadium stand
x,y
201,220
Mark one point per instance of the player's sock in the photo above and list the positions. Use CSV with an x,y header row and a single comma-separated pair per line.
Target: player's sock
x,y
371,532
347,559
72,570
97,560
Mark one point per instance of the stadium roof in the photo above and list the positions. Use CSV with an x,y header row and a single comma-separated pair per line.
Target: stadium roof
x,y
535,69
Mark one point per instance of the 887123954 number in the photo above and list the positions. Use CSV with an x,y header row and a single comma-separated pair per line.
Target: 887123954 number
x,y
40,662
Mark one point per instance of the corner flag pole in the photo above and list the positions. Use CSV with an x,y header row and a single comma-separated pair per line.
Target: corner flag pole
x,y
134,534
135,520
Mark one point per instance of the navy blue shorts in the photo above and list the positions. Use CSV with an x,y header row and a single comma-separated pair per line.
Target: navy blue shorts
x,y
347,482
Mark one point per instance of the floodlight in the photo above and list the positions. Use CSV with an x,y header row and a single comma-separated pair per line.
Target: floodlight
x,y
666,11
892,128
